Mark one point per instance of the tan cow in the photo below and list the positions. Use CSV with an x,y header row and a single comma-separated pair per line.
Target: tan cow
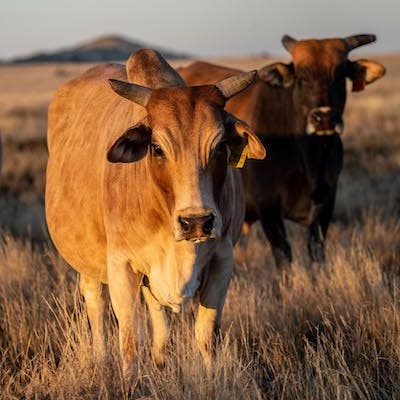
x,y
139,192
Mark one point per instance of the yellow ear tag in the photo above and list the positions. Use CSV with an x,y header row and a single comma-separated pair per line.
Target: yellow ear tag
x,y
238,162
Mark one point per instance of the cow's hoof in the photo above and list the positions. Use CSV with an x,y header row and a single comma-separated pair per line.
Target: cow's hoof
x,y
127,372
159,360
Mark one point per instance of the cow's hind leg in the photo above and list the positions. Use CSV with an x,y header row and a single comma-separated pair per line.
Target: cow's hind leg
x,y
91,290
159,326
124,293
274,229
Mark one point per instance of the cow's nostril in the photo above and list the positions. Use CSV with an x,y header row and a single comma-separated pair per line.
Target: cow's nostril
x,y
209,224
316,116
185,224
196,226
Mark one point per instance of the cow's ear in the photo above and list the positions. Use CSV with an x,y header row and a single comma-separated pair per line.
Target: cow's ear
x,y
131,146
363,72
243,143
277,74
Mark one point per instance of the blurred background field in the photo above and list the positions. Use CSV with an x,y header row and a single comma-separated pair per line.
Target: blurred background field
x,y
330,333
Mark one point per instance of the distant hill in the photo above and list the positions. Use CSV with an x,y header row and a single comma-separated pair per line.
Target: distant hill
x,y
105,48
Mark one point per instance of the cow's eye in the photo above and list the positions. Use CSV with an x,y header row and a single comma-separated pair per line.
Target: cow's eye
x,y
156,150
220,149
221,146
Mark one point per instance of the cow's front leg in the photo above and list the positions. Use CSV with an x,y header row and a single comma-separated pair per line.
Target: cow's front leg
x,y
212,298
124,293
318,230
274,229
159,326
315,243
91,290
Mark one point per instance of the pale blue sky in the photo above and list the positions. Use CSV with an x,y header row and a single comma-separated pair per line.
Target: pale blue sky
x,y
201,27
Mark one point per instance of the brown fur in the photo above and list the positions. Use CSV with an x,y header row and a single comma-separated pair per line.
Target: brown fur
x,y
319,54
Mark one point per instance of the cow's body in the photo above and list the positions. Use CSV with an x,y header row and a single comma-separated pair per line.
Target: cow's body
x,y
298,180
89,196
115,222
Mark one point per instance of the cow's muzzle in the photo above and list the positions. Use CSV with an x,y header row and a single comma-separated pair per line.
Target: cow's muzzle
x,y
323,121
196,227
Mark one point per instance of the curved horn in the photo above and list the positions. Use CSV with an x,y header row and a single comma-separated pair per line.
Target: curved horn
x,y
355,41
288,42
136,93
235,84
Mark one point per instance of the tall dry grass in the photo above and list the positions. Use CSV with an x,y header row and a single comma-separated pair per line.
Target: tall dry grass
x,y
326,333
321,333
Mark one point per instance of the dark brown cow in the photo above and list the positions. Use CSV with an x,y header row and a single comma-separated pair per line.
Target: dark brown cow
x,y
296,109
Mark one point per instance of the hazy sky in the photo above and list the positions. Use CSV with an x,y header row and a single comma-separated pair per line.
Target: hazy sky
x,y
202,27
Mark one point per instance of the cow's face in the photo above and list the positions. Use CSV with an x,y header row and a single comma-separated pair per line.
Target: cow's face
x,y
187,142
317,79
192,139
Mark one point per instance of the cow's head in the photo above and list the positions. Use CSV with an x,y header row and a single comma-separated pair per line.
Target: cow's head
x,y
188,140
317,77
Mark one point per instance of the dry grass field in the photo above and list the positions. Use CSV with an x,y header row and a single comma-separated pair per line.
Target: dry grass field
x,y
328,333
